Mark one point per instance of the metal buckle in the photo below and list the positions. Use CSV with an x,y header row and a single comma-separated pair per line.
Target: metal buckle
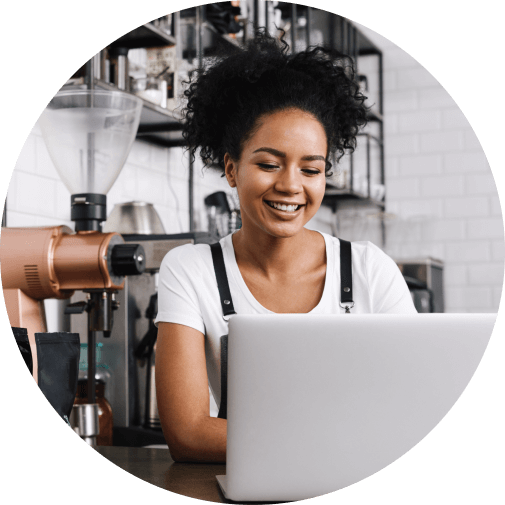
x,y
347,307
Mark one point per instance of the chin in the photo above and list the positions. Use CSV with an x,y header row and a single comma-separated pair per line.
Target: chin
x,y
283,231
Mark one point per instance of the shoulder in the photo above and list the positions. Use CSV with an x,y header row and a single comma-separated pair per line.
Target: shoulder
x,y
371,251
187,257
366,256
374,259
361,250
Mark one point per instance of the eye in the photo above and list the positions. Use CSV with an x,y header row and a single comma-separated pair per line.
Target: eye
x,y
267,166
311,171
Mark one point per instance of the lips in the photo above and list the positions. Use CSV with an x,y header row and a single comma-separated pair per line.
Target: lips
x,y
284,209
288,208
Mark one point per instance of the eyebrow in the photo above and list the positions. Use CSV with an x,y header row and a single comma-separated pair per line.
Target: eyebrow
x,y
282,154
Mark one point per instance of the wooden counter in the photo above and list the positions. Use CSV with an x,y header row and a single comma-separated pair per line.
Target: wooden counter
x,y
196,480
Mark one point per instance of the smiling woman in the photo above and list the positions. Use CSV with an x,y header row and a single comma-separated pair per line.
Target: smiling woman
x,y
270,120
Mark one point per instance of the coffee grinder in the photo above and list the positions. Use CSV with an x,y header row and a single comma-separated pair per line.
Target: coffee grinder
x,y
89,134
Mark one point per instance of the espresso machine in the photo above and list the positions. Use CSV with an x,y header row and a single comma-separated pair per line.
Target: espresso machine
x,y
88,134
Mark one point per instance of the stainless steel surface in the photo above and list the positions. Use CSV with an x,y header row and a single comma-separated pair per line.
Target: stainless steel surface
x,y
155,251
134,218
84,421
136,300
152,415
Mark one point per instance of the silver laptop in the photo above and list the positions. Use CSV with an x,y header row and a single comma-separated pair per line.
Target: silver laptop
x,y
317,403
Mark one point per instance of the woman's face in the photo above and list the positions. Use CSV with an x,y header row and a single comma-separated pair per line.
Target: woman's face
x,y
280,176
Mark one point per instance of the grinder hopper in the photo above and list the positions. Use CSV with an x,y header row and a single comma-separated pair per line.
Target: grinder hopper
x,y
89,134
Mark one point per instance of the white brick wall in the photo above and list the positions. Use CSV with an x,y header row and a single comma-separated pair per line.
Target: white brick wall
x,y
439,185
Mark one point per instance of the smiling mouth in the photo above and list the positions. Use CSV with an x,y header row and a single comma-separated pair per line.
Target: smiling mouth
x,y
283,207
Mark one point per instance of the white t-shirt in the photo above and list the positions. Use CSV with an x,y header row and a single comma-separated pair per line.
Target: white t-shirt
x,y
188,292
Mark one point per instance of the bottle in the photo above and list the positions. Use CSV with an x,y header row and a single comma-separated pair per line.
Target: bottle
x,y
105,421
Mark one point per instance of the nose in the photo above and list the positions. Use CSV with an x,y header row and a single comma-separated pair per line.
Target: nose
x,y
289,181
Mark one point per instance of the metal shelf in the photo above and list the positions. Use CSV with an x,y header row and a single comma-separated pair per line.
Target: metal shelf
x,y
160,126
223,36
145,36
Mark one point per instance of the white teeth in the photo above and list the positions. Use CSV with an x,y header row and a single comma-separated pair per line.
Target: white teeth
x,y
280,206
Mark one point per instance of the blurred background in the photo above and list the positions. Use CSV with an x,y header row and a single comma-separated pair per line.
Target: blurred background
x,y
418,185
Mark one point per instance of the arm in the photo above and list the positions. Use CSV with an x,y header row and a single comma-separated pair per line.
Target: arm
x,y
182,394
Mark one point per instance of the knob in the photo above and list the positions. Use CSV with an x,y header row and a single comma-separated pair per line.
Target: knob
x,y
128,259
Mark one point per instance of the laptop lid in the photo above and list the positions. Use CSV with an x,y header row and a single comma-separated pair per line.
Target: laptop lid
x,y
317,403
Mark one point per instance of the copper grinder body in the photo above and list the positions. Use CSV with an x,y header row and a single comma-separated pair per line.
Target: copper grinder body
x,y
52,262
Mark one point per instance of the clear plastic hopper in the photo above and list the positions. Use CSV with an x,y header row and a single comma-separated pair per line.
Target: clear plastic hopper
x,y
89,134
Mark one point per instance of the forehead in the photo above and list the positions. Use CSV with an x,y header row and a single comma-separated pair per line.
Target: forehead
x,y
291,130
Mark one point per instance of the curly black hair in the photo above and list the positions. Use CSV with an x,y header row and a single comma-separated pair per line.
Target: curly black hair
x,y
225,102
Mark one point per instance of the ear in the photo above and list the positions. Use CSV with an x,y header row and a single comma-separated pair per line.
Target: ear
x,y
230,170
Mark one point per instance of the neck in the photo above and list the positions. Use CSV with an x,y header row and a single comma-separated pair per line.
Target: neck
x,y
273,255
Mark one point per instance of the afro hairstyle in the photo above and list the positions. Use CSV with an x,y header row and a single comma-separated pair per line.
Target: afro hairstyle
x,y
227,99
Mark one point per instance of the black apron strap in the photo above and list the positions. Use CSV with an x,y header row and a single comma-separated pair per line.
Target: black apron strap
x,y
228,310
222,280
346,300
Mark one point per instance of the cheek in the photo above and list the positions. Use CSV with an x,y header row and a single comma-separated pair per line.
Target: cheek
x,y
245,188
318,188
250,183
